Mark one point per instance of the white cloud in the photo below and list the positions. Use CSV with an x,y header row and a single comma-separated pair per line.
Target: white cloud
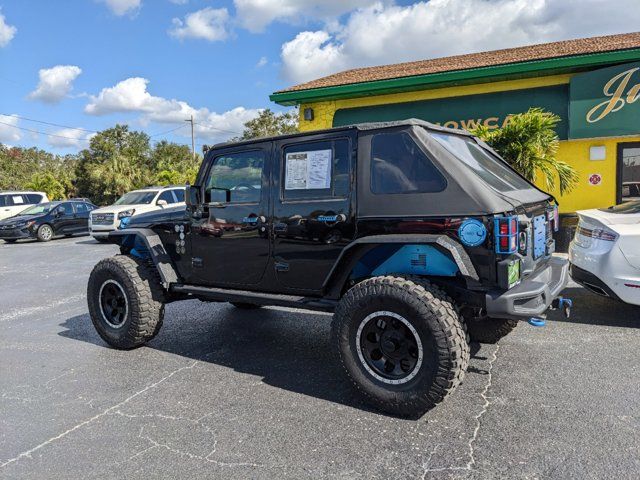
x,y
7,132
255,15
55,83
179,2
208,23
7,32
69,137
122,7
387,33
262,62
131,95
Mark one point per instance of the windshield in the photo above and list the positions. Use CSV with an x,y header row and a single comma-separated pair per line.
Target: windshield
x,y
39,209
482,163
626,207
136,198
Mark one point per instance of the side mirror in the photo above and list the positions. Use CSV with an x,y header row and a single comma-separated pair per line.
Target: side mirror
x,y
60,213
162,203
192,195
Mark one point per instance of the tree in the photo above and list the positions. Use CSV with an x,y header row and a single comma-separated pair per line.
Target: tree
x,y
269,124
529,143
173,164
46,182
116,161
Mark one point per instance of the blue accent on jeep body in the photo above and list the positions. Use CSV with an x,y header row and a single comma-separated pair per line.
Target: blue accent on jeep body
x,y
424,260
136,245
472,232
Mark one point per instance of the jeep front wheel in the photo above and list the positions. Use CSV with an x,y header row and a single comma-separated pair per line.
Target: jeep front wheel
x,y
125,301
401,343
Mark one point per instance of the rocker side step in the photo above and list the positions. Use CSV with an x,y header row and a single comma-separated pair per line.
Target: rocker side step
x,y
258,298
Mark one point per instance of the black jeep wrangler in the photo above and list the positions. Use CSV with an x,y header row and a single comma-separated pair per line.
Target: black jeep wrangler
x,y
418,238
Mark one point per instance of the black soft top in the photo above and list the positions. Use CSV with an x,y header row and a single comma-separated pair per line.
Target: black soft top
x,y
465,194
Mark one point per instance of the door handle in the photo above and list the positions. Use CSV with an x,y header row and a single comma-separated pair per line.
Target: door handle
x,y
332,218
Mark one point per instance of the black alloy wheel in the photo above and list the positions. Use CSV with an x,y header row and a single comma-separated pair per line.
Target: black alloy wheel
x,y
113,303
389,347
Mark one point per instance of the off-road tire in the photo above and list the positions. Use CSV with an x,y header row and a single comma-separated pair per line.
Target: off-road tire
x,y
42,234
433,316
144,295
488,329
245,306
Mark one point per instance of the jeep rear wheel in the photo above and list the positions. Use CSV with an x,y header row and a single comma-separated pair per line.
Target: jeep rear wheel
x,y
402,343
488,329
125,301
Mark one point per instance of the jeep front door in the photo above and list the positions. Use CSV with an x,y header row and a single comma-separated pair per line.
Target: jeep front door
x,y
313,208
230,242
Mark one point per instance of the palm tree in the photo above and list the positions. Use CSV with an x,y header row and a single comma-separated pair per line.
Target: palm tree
x,y
529,143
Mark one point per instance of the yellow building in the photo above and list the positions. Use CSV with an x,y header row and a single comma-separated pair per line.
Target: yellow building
x,y
593,84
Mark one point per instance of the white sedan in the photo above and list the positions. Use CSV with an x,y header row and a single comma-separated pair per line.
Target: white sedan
x,y
605,252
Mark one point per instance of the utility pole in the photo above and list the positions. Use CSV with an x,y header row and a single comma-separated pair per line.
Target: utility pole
x,y
193,139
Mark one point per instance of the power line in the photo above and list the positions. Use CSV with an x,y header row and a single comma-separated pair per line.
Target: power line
x,y
64,126
38,131
218,129
50,123
168,131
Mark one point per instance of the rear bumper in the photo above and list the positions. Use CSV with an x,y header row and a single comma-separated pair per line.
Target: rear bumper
x,y
534,295
592,283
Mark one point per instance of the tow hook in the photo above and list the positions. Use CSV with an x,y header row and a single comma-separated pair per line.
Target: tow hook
x,y
564,304
537,321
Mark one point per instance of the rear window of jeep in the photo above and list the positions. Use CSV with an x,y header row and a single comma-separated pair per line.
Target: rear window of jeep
x,y
398,165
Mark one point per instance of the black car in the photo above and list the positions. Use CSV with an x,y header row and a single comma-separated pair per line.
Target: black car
x,y
46,220
415,236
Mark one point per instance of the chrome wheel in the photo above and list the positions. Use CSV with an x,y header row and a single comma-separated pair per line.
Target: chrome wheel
x,y
389,347
114,306
45,233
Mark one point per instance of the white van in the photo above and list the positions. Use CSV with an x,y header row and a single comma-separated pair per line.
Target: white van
x,y
12,203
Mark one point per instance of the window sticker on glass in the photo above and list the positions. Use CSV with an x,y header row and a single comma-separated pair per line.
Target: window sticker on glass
x,y
17,199
308,170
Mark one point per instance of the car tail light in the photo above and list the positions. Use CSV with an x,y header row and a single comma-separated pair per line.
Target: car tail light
x,y
598,233
506,234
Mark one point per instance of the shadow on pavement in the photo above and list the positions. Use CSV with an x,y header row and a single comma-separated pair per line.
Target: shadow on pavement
x,y
295,355
288,351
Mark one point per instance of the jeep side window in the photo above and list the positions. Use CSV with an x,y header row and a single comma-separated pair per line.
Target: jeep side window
x,y
235,178
316,164
399,166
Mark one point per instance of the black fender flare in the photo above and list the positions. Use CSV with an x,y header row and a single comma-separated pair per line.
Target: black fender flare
x,y
157,252
352,253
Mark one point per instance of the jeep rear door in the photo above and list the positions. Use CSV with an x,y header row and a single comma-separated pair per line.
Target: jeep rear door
x,y
313,215
230,243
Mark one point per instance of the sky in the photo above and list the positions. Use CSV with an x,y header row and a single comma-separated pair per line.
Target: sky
x,y
71,68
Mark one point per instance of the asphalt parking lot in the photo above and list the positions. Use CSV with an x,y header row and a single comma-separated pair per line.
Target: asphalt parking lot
x,y
223,393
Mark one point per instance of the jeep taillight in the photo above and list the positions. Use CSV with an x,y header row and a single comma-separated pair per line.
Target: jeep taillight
x,y
506,234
